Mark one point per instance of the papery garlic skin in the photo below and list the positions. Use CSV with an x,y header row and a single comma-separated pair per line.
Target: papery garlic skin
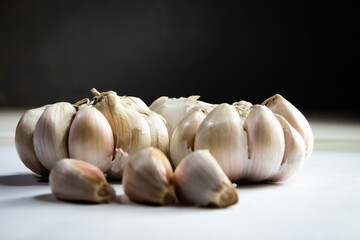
x,y
183,137
24,144
77,180
200,181
130,128
266,143
279,105
148,178
222,133
51,133
91,138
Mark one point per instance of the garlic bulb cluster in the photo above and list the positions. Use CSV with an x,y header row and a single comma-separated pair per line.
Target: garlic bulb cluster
x,y
174,151
251,142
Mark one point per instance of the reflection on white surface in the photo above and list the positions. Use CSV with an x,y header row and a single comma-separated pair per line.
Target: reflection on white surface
x,y
320,202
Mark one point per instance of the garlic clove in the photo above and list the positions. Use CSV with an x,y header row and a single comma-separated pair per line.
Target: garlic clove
x,y
51,133
77,180
158,131
294,153
278,104
183,137
200,181
91,138
148,178
266,143
222,133
24,144
175,109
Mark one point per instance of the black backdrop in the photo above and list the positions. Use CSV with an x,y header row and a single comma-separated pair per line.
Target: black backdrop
x,y
224,51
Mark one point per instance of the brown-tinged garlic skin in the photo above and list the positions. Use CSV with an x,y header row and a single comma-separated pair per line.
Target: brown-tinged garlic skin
x,y
24,144
148,178
200,181
91,138
52,131
76,180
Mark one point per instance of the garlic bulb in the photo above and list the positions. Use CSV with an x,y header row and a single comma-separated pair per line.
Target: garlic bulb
x,y
51,133
91,138
253,143
77,180
24,134
200,181
148,178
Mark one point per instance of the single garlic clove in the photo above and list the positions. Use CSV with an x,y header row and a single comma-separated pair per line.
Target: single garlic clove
x,y
158,131
148,178
222,133
294,154
175,109
266,143
183,137
278,104
200,181
76,180
52,131
24,144
91,138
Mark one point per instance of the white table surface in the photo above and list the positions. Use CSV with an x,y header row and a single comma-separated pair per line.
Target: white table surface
x,y
322,201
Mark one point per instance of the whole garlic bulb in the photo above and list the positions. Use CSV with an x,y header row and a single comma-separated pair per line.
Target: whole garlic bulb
x,y
91,138
253,143
24,144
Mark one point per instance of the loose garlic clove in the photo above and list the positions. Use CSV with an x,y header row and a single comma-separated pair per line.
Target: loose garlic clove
x,y
222,133
52,131
91,138
24,144
200,181
294,154
148,178
183,137
279,105
266,143
77,180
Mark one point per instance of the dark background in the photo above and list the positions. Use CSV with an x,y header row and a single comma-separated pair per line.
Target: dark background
x,y
224,51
